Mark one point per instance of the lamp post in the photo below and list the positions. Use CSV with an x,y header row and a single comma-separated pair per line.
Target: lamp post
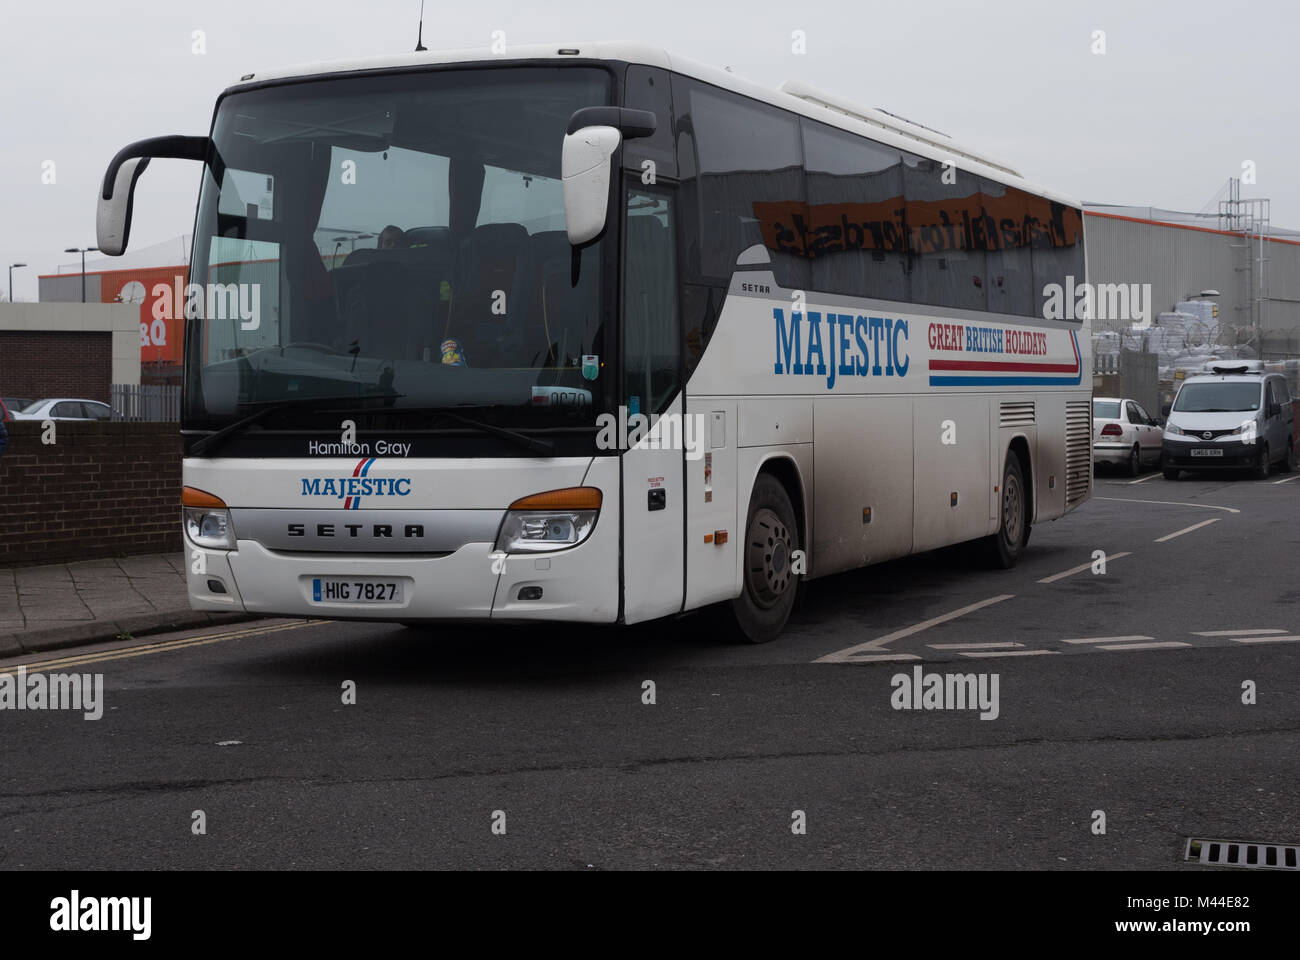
x,y
83,251
11,279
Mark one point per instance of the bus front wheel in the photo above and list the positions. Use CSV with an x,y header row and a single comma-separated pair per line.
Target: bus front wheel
x,y
770,583
1005,546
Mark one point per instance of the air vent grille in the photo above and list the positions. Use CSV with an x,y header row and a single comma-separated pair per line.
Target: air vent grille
x,y
1078,451
1018,413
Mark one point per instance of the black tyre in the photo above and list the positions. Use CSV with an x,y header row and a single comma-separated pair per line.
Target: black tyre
x,y
1134,466
1172,473
1264,466
1003,549
1288,464
770,585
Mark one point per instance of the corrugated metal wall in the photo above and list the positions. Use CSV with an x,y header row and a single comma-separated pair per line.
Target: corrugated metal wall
x,y
1179,262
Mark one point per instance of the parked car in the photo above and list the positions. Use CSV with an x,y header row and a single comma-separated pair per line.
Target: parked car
x,y
1237,416
12,405
64,408
1124,435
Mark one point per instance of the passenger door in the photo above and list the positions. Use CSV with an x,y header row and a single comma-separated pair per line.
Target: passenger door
x,y
654,480
1277,427
1137,426
1149,436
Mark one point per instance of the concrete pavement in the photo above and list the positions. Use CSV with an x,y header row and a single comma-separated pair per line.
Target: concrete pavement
x,y
66,604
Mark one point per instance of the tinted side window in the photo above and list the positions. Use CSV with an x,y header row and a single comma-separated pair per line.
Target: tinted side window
x,y
1054,231
748,155
649,88
1001,228
68,408
948,266
1133,415
852,230
651,342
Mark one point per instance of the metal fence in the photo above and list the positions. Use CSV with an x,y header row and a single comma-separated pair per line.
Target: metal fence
x,y
137,402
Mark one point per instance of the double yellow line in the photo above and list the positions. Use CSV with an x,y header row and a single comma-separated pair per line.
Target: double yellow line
x,y
164,646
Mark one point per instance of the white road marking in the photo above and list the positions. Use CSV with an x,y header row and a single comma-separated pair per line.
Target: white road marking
x,y
1009,653
877,646
1143,479
1232,633
1082,567
1147,646
884,656
1172,503
972,646
1195,526
1294,476
1106,639
1288,639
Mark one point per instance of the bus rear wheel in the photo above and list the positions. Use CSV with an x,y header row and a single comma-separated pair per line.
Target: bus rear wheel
x,y
770,584
1003,549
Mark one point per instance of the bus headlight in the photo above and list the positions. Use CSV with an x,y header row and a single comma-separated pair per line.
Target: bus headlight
x,y
209,528
207,521
549,521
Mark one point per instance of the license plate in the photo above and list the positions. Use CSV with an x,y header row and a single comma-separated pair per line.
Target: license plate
x,y
1204,452
355,590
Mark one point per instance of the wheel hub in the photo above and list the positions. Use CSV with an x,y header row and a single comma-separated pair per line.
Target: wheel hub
x,y
1012,510
767,558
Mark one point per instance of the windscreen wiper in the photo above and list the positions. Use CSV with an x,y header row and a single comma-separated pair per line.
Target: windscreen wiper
x,y
213,440
535,444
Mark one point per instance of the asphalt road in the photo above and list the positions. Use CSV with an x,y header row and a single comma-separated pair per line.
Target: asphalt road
x,y
549,726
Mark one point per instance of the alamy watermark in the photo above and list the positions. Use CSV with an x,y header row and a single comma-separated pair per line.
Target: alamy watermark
x,y
1128,303
946,691
75,913
214,301
55,691
669,431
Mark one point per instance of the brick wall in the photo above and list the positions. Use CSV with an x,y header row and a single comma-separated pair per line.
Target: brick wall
x,y
104,488
56,364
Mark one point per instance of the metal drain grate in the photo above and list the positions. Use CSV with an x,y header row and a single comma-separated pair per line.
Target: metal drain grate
x,y
1242,853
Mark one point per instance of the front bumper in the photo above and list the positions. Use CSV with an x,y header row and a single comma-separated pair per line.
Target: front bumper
x,y
1236,455
462,582
579,584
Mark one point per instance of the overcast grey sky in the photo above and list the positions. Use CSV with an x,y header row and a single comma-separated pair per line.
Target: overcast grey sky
x,y
1185,92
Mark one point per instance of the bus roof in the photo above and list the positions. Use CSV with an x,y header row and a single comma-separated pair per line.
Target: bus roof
x,y
878,125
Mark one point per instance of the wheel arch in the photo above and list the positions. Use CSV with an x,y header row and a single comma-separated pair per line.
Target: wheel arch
x,y
783,467
1019,445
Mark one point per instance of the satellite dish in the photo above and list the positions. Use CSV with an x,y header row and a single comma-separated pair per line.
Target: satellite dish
x,y
132,292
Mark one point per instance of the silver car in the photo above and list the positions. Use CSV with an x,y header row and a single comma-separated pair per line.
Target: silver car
x,y
64,408
1125,435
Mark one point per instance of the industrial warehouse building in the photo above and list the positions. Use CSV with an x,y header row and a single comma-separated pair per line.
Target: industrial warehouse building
x,y
1255,269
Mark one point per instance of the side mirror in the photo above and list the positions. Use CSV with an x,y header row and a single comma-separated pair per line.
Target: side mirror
x,y
594,134
116,198
1164,410
584,166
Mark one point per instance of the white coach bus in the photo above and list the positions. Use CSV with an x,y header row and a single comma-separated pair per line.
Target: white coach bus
x,y
597,334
